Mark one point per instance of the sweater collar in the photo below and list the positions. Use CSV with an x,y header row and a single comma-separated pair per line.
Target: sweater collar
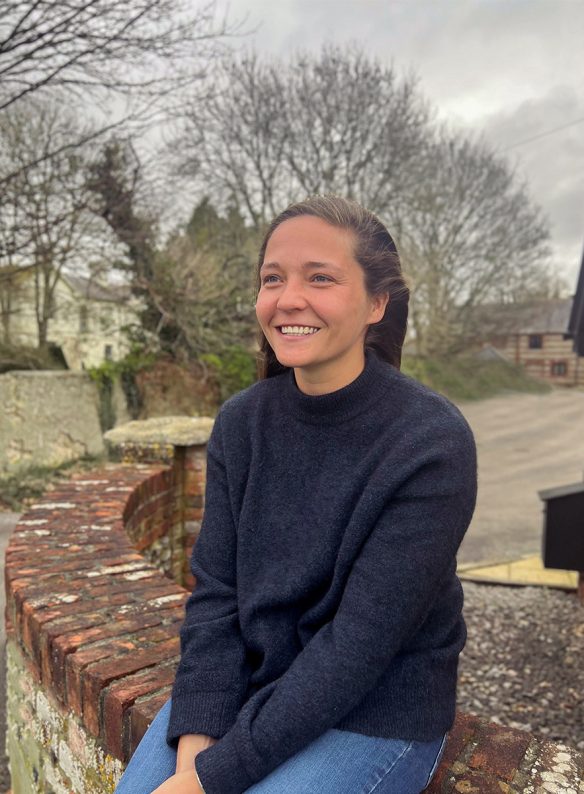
x,y
342,404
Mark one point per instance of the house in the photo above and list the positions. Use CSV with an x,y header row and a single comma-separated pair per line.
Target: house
x,y
534,335
87,317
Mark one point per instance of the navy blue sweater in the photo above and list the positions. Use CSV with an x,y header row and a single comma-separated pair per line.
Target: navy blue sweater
x,y
326,589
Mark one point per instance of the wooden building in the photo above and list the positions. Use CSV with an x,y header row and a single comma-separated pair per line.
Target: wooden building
x,y
534,335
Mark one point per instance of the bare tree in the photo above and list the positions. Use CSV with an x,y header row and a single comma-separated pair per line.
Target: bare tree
x,y
124,62
271,132
45,215
340,122
121,45
469,234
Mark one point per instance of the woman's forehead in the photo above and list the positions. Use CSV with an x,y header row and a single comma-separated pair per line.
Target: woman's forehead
x,y
309,239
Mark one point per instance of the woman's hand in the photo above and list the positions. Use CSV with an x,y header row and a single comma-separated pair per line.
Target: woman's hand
x,y
189,746
180,783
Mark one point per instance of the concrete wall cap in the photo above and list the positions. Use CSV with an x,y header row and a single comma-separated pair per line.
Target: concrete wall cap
x,y
44,373
181,431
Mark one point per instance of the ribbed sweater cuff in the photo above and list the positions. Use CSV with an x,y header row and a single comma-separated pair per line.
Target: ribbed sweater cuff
x,y
221,770
211,713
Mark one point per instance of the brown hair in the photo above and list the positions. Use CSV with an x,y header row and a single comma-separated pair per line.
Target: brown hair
x,y
375,251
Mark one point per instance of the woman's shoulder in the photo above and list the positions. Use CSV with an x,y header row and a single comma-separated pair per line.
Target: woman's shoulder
x,y
422,408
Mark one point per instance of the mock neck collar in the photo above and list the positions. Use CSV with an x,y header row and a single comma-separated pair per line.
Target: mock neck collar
x,y
341,404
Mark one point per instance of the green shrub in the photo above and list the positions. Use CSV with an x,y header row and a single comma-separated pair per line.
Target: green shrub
x,y
125,369
235,369
470,378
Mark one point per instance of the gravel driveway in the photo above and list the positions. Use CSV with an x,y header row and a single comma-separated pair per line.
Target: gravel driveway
x,y
523,664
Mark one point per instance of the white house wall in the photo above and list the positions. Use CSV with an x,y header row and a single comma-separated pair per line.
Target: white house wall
x,y
82,349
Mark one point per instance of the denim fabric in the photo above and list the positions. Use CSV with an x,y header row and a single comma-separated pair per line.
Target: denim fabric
x,y
338,762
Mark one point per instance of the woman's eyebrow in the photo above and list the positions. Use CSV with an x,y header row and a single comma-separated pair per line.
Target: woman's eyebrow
x,y
307,266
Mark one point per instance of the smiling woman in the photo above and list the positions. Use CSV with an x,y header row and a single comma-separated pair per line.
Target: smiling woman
x,y
320,646
313,307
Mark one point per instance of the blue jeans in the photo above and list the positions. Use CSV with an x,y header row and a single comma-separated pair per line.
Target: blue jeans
x,y
338,762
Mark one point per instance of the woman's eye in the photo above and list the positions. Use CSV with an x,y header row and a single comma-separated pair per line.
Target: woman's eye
x,y
270,279
321,279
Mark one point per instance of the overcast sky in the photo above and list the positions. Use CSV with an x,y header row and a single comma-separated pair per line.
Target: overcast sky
x,y
509,69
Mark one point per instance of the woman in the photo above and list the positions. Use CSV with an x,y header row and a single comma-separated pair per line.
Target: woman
x,y
320,646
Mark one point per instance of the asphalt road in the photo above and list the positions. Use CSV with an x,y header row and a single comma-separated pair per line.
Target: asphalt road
x,y
525,443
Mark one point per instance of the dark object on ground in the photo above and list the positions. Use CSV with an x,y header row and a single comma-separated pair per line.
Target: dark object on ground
x,y
563,539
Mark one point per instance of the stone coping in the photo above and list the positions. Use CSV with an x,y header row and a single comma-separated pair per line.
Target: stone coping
x,y
99,625
180,431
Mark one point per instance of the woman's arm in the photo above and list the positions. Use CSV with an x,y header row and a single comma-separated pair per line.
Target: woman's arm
x,y
212,675
189,746
391,589
185,779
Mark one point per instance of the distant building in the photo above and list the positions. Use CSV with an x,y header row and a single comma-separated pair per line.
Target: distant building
x,y
87,318
534,336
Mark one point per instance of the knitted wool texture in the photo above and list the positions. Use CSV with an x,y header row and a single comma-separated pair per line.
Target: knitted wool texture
x,y
326,589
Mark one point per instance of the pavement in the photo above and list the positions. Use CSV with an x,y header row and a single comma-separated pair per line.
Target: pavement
x,y
527,571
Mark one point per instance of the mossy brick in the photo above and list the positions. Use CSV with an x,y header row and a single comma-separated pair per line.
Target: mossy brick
x,y
139,717
96,677
499,750
122,694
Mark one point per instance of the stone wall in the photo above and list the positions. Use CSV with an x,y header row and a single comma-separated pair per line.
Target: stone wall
x,y
50,417
92,630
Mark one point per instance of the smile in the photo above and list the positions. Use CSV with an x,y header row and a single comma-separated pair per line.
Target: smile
x,y
297,330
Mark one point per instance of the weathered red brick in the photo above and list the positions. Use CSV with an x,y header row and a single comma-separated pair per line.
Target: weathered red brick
x,y
139,717
76,662
122,694
97,676
499,750
460,735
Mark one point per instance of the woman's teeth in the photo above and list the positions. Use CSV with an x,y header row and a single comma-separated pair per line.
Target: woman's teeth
x,y
298,330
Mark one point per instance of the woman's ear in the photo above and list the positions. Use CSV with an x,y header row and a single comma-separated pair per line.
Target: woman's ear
x,y
378,306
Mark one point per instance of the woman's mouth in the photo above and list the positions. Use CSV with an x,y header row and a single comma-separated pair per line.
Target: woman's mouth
x,y
297,330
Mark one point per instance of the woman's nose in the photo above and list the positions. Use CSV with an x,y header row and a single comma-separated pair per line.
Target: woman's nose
x,y
291,296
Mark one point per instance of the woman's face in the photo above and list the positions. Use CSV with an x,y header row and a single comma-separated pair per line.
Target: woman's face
x,y
313,306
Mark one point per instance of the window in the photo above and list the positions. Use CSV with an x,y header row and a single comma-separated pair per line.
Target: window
x,y
83,320
559,368
108,352
535,341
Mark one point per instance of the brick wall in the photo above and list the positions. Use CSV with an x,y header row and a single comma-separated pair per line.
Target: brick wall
x,y
92,627
92,639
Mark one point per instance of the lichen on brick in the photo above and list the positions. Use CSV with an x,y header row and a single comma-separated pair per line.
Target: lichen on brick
x,y
49,749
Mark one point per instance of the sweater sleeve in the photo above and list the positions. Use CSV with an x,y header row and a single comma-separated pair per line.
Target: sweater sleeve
x,y
212,675
389,592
